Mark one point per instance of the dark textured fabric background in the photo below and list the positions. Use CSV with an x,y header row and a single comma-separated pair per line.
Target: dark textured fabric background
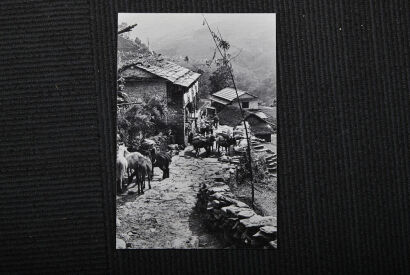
x,y
343,95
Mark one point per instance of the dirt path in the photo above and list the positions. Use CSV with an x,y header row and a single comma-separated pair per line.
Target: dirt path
x,y
164,216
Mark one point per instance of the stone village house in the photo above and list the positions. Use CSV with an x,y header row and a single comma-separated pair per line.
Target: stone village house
x,y
227,96
261,119
176,84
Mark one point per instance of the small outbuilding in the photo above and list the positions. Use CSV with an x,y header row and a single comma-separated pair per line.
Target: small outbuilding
x,y
259,126
227,97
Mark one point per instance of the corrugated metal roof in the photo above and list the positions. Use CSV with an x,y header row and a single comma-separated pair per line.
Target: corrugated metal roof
x,y
230,94
175,73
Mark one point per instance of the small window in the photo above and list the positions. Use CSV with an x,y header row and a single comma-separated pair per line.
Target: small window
x,y
245,105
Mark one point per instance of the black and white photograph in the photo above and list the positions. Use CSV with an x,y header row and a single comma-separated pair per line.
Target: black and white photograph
x,y
196,164
204,137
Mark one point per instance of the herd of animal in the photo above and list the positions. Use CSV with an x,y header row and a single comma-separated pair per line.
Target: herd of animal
x,y
141,166
207,142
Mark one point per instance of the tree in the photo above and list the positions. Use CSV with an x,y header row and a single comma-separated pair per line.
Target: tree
x,y
220,78
123,28
141,48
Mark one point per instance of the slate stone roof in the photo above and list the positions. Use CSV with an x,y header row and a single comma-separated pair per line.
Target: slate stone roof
x,y
231,116
228,95
261,129
168,70
261,115
270,113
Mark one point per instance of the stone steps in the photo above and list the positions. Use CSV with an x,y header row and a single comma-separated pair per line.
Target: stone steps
x,y
271,158
272,170
257,139
272,165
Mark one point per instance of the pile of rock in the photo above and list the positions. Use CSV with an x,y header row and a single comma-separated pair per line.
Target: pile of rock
x,y
237,224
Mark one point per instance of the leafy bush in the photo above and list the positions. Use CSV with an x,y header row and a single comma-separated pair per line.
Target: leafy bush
x,y
145,120
161,141
259,168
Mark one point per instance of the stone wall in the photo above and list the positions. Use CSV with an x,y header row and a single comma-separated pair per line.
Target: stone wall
x,y
233,220
138,89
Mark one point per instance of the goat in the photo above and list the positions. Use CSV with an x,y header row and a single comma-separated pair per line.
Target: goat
x,y
145,169
121,167
134,161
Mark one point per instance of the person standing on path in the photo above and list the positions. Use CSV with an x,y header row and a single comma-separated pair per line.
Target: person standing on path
x,y
202,126
216,121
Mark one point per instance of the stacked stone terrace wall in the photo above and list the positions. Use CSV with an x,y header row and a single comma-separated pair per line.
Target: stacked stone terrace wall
x,y
234,221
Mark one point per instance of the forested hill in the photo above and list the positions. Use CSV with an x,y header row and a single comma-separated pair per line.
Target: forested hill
x,y
254,67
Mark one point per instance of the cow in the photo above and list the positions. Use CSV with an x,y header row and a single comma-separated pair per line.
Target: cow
x,y
203,142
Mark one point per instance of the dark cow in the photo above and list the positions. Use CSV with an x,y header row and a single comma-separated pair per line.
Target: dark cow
x,y
203,142
161,160
225,142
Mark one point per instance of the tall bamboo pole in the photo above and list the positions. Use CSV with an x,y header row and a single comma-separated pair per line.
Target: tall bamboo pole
x,y
223,55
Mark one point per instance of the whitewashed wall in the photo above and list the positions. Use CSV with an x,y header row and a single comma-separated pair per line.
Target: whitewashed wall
x,y
190,94
253,104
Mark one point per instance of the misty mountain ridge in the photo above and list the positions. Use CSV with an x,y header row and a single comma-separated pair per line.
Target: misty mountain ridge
x,y
257,45
254,67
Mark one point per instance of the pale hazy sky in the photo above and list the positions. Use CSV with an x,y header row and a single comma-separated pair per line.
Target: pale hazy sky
x,y
157,25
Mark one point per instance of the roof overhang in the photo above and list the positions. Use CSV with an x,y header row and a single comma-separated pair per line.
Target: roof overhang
x,y
169,71
219,100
